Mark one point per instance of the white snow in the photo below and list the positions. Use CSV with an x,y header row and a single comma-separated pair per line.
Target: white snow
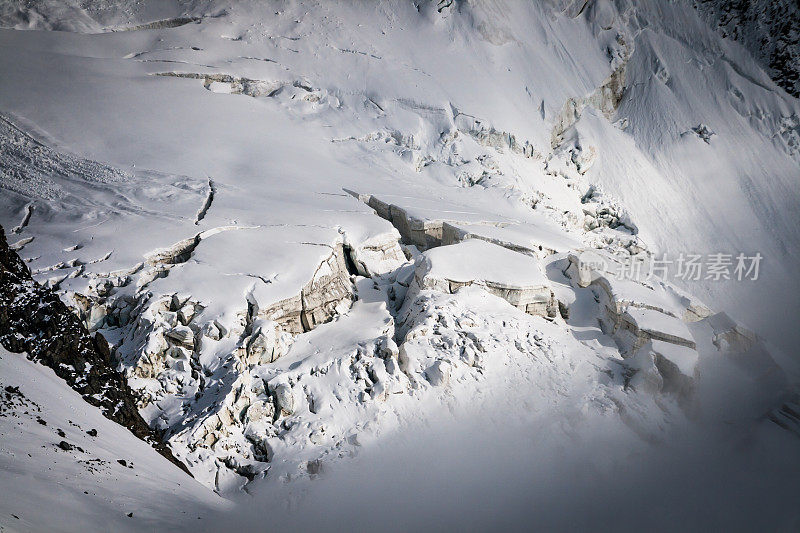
x,y
221,189
477,260
654,321
46,488
684,358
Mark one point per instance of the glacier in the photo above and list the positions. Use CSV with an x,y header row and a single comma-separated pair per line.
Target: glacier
x,y
390,264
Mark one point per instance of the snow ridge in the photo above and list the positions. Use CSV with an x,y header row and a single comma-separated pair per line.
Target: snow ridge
x,y
418,212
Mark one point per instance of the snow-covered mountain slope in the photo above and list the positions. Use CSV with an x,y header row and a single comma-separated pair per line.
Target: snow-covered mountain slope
x,y
306,227
65,467
770,30
487,68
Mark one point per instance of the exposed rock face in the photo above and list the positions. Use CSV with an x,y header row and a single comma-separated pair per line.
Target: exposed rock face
x,y
34,320
769,29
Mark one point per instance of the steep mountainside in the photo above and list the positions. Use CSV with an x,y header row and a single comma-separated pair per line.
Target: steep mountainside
x,y
770,30
66,467
35,321
317,231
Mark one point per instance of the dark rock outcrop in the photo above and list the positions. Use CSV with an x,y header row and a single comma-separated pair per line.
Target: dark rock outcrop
x,y
769,29
33,319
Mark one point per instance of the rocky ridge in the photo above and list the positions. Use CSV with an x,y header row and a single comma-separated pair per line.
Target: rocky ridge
x,y
35,321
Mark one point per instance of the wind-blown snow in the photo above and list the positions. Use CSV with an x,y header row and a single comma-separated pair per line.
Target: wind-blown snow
x,y
307,228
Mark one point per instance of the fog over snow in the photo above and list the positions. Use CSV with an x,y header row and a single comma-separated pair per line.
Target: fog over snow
x,y
404,264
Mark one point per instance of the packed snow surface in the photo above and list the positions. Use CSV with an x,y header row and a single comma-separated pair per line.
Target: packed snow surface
x,y
478,259
358,244
65,467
